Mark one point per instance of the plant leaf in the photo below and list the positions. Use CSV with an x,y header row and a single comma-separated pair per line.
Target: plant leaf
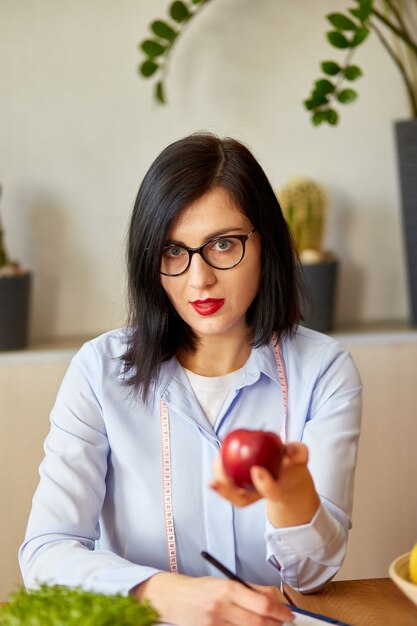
x,y
318,117
366,6
318,99
163,30
199,1
364,10
148,68
179,11
330,67
324,86
160,92
337,39
332,117
152,48
360,36
347,95
352,72
341,22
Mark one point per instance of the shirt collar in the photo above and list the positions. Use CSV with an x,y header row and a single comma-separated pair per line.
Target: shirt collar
x,y
261,361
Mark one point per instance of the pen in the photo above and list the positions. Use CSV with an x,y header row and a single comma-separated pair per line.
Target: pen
x,y
227,572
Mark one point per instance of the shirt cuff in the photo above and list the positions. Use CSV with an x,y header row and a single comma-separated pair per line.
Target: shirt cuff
x,y
287,546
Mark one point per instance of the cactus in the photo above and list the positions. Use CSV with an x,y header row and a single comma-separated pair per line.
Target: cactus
x,y
7,266
3,254
304,204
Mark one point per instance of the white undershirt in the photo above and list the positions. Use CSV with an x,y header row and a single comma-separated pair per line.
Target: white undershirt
x,y
211,392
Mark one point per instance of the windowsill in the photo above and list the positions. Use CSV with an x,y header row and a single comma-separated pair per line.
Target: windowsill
x,y
57,348
383,332
60,343
360,334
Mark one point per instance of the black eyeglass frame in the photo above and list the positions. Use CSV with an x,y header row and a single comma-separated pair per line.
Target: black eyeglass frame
x,y
200,250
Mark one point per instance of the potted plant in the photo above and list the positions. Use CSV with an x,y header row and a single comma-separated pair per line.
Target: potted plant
x,y
393,22
57,605
15,285
304,203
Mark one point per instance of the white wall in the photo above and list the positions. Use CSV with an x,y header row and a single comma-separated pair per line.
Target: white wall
x,y
78,129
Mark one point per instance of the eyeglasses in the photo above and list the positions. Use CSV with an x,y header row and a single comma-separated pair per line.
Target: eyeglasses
x,y
222,253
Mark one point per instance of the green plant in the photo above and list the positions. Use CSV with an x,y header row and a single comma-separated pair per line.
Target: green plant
x,y
394,22
304,204
7,266
350,30
157,50
3,254
63,606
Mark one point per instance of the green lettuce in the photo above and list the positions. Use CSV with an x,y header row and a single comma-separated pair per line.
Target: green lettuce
x,y
57,605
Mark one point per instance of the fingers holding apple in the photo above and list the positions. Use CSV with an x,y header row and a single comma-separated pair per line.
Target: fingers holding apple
x,y
226,488
292,499
256,464
243,449
292,474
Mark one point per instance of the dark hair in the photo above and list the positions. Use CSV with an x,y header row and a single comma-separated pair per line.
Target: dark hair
x,y
182,173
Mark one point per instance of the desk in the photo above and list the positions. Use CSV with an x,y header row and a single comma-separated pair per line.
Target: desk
x,y
368,602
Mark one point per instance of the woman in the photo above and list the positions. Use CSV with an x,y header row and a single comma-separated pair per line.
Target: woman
x,y
127,498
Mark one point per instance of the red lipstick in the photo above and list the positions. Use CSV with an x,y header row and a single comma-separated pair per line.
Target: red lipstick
x,y
208,306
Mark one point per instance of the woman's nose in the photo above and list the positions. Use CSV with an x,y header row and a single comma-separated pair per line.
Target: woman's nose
x,y
200,273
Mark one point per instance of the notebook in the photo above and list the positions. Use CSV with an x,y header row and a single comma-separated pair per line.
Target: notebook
x,y
307,618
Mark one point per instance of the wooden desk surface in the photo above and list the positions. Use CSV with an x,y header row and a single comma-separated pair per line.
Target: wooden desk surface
x,y
373,602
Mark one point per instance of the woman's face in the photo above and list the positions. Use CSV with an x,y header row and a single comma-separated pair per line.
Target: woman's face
x,y
214,302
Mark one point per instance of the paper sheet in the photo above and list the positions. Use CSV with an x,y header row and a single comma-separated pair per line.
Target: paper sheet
x,y
300,620
310,620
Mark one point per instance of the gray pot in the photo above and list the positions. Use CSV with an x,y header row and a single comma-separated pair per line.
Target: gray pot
x,y
406,135
319,294
14,311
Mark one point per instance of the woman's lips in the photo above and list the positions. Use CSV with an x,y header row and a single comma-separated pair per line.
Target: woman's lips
x,y
208,306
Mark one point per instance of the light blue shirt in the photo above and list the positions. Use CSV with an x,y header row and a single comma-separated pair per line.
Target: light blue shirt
x,y
97,519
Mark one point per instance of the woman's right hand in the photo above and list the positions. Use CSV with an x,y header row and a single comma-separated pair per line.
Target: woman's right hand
x,y
209,601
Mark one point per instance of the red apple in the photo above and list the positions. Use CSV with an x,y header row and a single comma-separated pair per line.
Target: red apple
x,y
242,448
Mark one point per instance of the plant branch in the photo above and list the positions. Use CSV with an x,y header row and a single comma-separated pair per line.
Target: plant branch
x,y
404,53
341,76
409,86
395,29
394,9
163,65
346,64
196,11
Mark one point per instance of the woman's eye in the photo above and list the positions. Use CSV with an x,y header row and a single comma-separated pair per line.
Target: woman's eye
x,y
174,251
222,245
